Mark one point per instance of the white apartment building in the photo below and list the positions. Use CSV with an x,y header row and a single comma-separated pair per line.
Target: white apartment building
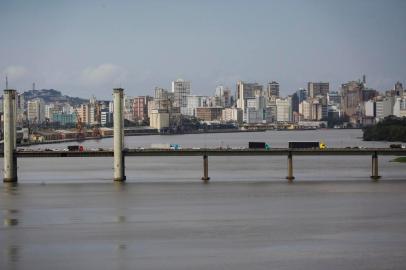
x,y
232,115
383,108
284,110
36,111
193,102
181,89
128,108
247,91
255,111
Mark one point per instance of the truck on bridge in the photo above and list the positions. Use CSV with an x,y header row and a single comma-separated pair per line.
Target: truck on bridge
x,y
309,144
258,145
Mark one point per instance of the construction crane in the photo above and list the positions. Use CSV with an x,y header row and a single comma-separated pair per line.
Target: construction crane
x,y
96,130
79,127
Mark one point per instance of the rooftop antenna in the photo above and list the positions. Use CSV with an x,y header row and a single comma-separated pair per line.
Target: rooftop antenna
x,y
33,86
6,82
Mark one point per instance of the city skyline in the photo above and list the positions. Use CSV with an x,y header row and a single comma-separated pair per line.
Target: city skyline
x,y
85,49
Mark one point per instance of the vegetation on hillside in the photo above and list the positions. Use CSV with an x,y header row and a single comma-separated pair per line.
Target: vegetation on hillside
x,y
390,129
51,95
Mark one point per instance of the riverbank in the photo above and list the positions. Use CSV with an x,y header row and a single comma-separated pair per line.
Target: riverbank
x,y
400,159
218,131
391,129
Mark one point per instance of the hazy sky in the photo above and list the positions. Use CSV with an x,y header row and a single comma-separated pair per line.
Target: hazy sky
x,y
89,47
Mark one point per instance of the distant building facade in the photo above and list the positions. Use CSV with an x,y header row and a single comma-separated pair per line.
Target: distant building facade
x,y
272,89
209,113
36,111
180,89
317,89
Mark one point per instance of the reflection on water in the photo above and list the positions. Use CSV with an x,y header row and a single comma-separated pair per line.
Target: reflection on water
x,y
9,222
12,253
121,247
119,186
11,211
10,189
10,219
121,219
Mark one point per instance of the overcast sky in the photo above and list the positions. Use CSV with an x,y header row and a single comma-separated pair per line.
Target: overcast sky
x,y
89,47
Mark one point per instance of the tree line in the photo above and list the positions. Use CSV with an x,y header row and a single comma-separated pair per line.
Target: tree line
x,y
391,128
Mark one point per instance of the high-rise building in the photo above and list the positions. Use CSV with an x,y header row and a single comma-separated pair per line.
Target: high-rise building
x,y
399,89
353,96
194,102
284,109
128,108
140,107
256,110
180,89
272,89
49,110
299,96
63,118
84,113
247,91
271,112
36,111
317,89
312,109
334,98
369,108
384,107
223,95
161,93
209,113
106,117
232,115
20,108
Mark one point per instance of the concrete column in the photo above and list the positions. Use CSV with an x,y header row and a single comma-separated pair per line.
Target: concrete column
x,y
375,168
10,157
290,176
205,169
119,168
15,119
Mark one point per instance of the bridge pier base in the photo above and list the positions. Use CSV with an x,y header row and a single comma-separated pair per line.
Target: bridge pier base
x,y
10,155
290,176
119,169
375,168
205,168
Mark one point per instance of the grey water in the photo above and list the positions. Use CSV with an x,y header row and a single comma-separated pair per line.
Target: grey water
x,y
68,214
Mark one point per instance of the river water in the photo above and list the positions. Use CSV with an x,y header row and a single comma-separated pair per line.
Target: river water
x,y
66,213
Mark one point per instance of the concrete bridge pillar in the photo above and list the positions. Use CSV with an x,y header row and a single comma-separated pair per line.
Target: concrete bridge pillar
x,y
205,168
10,156
119,162
375,169
290,176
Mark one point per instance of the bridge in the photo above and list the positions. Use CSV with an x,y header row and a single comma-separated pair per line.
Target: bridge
x,y
206,152
11,153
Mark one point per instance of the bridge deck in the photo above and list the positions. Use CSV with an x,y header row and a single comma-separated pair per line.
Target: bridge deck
x,y
218,152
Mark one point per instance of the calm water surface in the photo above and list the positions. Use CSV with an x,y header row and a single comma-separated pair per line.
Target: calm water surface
x,y
67,213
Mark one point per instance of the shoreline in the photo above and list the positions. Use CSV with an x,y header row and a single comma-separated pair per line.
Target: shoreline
x,y
135,134
166,134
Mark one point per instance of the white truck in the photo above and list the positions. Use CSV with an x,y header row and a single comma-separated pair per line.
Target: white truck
x,y
165,146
